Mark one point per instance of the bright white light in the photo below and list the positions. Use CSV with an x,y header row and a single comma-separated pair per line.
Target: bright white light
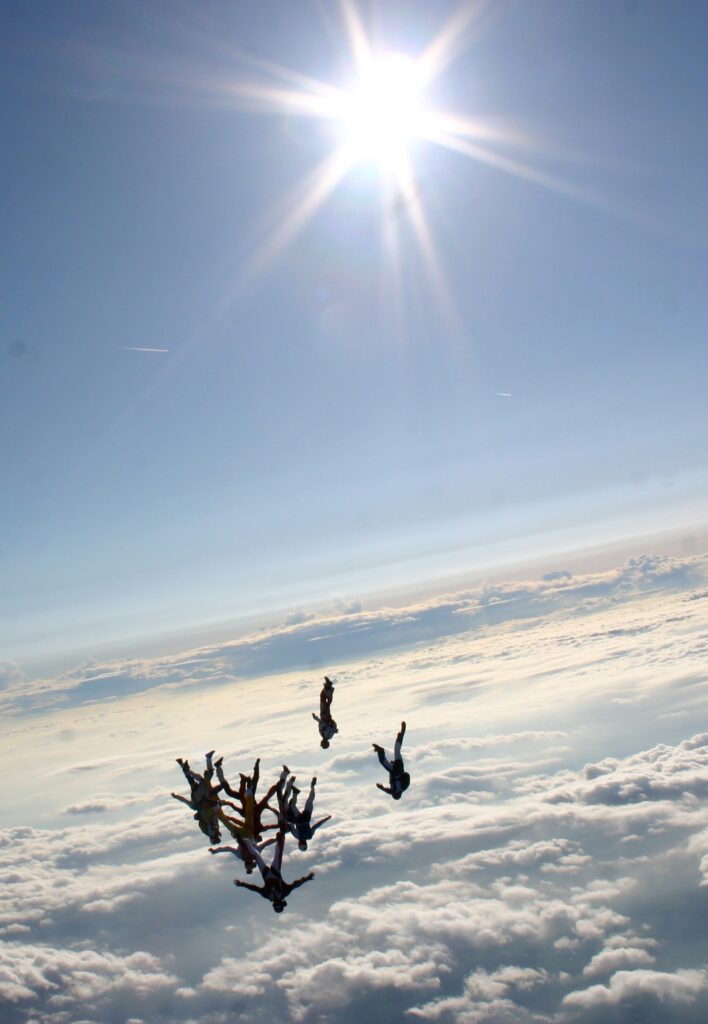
x,y
384,113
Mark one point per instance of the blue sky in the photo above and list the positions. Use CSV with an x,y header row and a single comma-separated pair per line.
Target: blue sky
x,y
294,440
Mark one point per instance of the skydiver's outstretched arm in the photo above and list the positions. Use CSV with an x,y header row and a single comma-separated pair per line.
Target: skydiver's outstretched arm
x,y
316,717
320,822
256,774
183,799
300,881
227,849
384,789
260,889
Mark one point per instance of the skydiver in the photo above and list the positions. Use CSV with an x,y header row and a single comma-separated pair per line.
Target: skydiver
x,y
274,888
299,821
399,779
203,797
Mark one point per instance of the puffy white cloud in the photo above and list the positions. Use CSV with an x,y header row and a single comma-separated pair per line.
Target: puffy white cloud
x,y
681,986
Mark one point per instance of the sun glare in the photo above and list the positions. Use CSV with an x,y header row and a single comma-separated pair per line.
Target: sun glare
x,y
377,120
383,114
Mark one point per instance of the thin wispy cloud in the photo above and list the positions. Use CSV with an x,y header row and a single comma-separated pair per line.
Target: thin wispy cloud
x,y
138,348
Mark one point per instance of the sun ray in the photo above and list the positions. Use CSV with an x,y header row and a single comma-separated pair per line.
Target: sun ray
x,y
304,201
428,249
452,38
514,167
361,51
271,99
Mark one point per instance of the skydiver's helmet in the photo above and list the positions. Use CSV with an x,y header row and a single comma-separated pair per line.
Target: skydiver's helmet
x,y
214,834
279,906
324,744
249,864
302,844
397,795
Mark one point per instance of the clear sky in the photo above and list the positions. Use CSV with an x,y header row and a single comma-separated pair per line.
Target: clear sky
x,y
313,428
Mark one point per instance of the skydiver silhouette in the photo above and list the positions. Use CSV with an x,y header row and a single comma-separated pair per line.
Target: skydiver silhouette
x,y
203,797
299,822
274,888
399,779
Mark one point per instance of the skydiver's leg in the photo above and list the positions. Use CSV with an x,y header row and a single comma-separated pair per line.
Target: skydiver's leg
x,y
279,847
245,788
287,796
222,781
193,778
310,800
272,790
256,855
256,774
399,743
382,758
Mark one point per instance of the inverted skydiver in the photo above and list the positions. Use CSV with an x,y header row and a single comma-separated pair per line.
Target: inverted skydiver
x,y
398,777
274,888
203,797
299,822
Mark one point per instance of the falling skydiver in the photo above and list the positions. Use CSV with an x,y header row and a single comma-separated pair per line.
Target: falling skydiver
x,y
399,779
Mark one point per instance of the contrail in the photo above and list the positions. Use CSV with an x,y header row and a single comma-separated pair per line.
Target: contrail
x,y
503,394
135,348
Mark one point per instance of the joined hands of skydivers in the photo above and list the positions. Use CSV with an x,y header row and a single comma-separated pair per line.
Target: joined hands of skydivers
x,y
247,826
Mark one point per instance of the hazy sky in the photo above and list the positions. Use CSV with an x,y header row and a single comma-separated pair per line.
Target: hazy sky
x,y
311,429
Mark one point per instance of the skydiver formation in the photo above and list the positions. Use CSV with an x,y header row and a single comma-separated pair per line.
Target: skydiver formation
x,y
247,825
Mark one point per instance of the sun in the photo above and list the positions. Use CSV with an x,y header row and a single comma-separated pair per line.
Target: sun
x,y
386,117
384,112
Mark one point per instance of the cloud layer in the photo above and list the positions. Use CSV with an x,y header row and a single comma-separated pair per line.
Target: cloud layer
x,y
548,864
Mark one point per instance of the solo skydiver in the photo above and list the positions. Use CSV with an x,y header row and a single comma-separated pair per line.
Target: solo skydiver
x,y
398,777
